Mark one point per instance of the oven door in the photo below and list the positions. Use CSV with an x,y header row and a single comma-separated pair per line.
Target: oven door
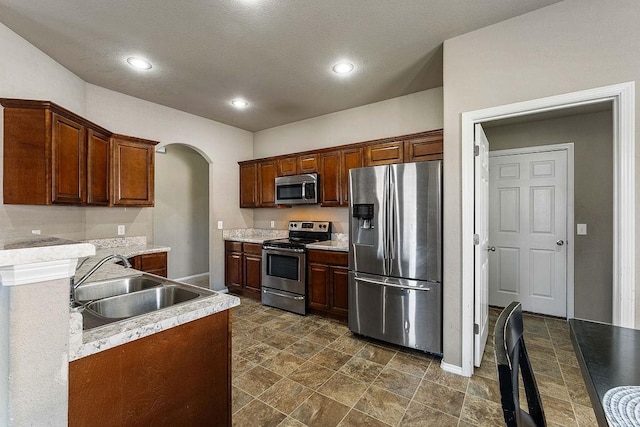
x,y
284,269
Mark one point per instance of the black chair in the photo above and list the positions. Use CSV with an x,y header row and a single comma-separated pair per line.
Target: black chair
x,y
511,358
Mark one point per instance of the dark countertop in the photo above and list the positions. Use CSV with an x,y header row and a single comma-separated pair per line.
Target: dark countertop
x,y
609,356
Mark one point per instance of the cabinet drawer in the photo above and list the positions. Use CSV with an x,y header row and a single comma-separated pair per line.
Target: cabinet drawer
x,y
233,246
253,248
328,257
157,261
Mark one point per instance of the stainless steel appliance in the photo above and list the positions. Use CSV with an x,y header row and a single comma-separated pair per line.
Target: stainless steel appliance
x,y
284,283
297,189
395,255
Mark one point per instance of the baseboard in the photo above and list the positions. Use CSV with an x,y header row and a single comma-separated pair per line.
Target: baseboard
x,y
195,276
454,369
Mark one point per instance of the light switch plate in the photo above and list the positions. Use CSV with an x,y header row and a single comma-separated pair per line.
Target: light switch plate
x,y
219,225
121,230
273,224
35,231
581,229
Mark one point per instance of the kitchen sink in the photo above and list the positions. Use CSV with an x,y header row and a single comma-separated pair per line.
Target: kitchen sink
x,y
112,301
98,290
141,302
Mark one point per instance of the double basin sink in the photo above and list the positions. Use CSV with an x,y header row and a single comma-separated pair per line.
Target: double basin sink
x,y
114,300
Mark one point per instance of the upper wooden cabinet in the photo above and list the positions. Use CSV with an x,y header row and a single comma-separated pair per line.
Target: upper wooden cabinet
x,y
267,173
385,153
53,156
133,171
287,166
249,185
422,148
308,163
257,177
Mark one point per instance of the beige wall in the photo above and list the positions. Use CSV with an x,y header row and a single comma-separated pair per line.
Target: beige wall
x,y
407,114
592,135
181,212
569,46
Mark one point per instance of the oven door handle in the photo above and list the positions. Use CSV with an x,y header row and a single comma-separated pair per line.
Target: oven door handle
x,y
279,294
286,251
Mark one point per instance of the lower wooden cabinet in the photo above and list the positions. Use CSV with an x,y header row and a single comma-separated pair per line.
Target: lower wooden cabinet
x,y
180,376
155,263
243,268
328,283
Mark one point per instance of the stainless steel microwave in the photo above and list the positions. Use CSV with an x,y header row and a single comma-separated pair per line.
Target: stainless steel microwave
x,y
297,189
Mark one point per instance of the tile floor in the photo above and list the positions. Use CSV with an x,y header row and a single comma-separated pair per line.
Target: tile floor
x,y
290,370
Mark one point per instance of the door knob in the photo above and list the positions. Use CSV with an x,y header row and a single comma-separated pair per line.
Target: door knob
x,y
491,248
560,242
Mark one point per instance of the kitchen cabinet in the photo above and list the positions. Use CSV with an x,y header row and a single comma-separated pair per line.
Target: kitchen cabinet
x,y
267,173
53,156
257,177
423,148
328,283
179,376
308,163
385,153
98,168
249,185
330,178
133,171
243,268
155,263
334,175
288,166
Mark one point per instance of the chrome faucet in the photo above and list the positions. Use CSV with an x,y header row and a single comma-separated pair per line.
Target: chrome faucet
x,y
76,285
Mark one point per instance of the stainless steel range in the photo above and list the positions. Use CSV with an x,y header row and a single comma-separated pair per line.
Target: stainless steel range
x,y
284,278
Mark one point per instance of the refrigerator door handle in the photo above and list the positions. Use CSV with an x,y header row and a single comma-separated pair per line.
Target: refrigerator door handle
x,y
391,285
385,223
392,221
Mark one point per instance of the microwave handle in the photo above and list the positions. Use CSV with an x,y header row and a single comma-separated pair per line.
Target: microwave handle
x,y
304,188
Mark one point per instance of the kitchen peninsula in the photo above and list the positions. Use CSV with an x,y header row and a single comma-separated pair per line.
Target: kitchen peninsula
x,y
39,330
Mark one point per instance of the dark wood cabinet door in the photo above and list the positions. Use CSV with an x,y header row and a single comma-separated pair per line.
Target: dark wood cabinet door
x,y
248,185
69,166
340,290
424,148
384,153
253,273
351,159
133,172
318,286
287,166
308,163
233,270
330,178
267,172
98,168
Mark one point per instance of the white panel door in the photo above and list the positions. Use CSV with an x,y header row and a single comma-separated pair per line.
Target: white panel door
x,y
481,229
527,231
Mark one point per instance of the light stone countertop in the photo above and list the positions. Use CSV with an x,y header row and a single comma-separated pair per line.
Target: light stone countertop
x,y
330,245
84,343
19,248
253,235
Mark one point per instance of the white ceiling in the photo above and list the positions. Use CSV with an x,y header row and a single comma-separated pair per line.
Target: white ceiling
x,y
277,54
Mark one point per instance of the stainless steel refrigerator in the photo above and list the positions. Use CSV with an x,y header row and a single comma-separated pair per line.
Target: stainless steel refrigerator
x,y
395,254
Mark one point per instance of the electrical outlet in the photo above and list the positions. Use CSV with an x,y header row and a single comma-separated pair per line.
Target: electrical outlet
x,y
121,230
581,229
273,224
35,231
219,225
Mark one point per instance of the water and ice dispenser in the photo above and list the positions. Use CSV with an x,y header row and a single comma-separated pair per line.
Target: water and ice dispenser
x,y
364,215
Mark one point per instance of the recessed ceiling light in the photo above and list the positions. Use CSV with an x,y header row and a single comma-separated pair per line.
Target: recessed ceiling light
x,y
239,103
343,68
139,63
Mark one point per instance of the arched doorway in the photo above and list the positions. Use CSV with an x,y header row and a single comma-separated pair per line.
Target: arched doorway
x,y
181,213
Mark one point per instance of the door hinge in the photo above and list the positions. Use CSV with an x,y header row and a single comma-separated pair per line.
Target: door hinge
x,y
476,239
476,150
476,328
